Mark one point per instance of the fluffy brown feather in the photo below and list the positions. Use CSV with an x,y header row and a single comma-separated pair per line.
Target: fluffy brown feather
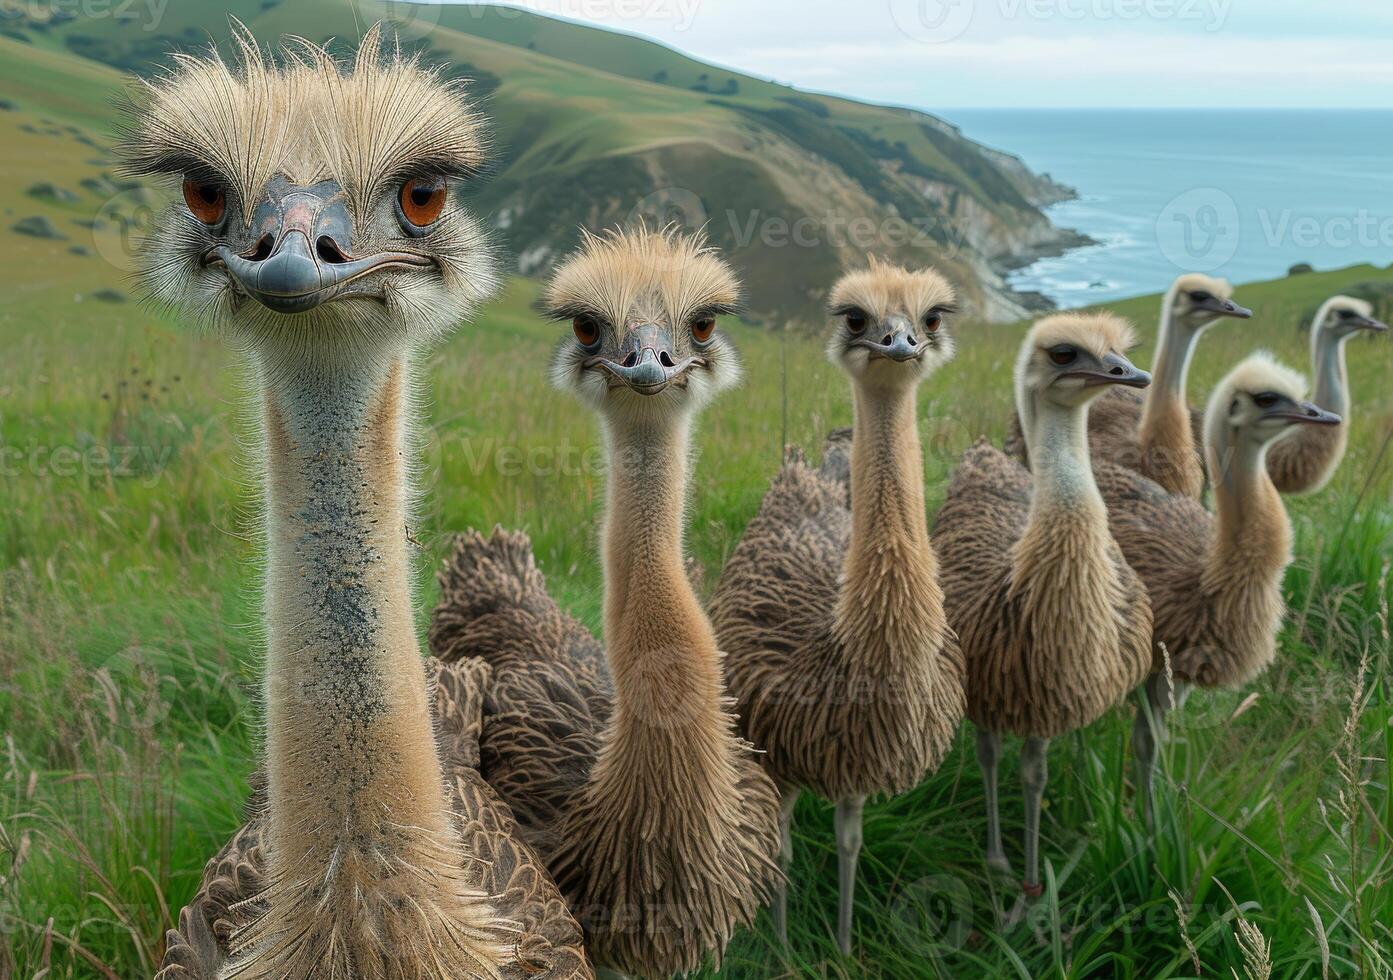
x,y
1214,579
1055,625
829,610
547,940
1304,461
624,767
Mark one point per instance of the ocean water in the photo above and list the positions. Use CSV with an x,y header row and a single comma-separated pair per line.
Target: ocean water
x,y
1244,194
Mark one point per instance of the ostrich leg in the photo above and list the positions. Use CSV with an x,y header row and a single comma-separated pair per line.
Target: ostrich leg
x,y
988,752
848,850
787,801
1034,775
1154,702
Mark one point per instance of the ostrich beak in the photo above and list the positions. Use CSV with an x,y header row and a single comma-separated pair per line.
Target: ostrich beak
x,y
302,256
647,364
1304,413
897,343
1369,323
1226,307
1115,370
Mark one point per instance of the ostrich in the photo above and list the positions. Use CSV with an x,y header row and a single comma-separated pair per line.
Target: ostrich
x,y
1214,579
319,232
623,765
1158,435
830,615
1055,626
1306,459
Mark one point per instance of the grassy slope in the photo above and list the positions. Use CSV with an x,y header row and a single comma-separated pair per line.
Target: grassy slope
x,y
580,109
127,636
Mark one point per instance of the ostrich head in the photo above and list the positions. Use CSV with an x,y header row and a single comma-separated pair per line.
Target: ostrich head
x,y
1258,401
1345,316
643,309
890,324
1197,301
1071,358
319,199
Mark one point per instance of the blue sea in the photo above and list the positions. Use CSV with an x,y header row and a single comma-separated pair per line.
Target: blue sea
x,y
1244,194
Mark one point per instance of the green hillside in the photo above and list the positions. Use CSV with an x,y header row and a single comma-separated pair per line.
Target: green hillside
x,y
129,538
595,128
129,654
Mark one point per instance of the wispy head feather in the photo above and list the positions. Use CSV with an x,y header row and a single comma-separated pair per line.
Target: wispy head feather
x,y
1260,372
309,116
261,128
883,288
1098,333
612,271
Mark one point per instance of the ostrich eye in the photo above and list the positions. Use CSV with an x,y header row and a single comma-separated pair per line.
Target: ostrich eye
x,y
206,200
1200,296
933,321
1063,355
703,329
587,330
856,321
1347,314
422,199
1266,400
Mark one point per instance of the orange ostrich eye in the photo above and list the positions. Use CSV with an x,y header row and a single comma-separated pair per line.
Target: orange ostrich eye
x,y
423,199
587,330
206,200
703,329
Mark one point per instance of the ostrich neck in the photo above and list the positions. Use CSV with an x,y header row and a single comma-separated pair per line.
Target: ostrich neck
x,y
660,646
353,763
1166,411
1252,533
1059,460
1331,381
890,583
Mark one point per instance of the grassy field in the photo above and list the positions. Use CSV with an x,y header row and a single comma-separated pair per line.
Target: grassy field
x,y
128,654
128,611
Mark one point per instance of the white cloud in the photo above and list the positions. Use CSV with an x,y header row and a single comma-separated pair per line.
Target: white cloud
x,y
1034,52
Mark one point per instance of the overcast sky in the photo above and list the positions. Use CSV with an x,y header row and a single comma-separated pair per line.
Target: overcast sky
x,y
960,53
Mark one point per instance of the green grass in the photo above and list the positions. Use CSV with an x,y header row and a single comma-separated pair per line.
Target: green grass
x,y
128,613
128,657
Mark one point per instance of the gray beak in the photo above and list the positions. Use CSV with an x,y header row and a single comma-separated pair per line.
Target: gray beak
x,y
1305,413
303,252
1116,370
1226,307
1369,323
897,341
647,364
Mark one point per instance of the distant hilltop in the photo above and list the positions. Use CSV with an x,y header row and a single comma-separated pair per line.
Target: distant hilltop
x,y
596,128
